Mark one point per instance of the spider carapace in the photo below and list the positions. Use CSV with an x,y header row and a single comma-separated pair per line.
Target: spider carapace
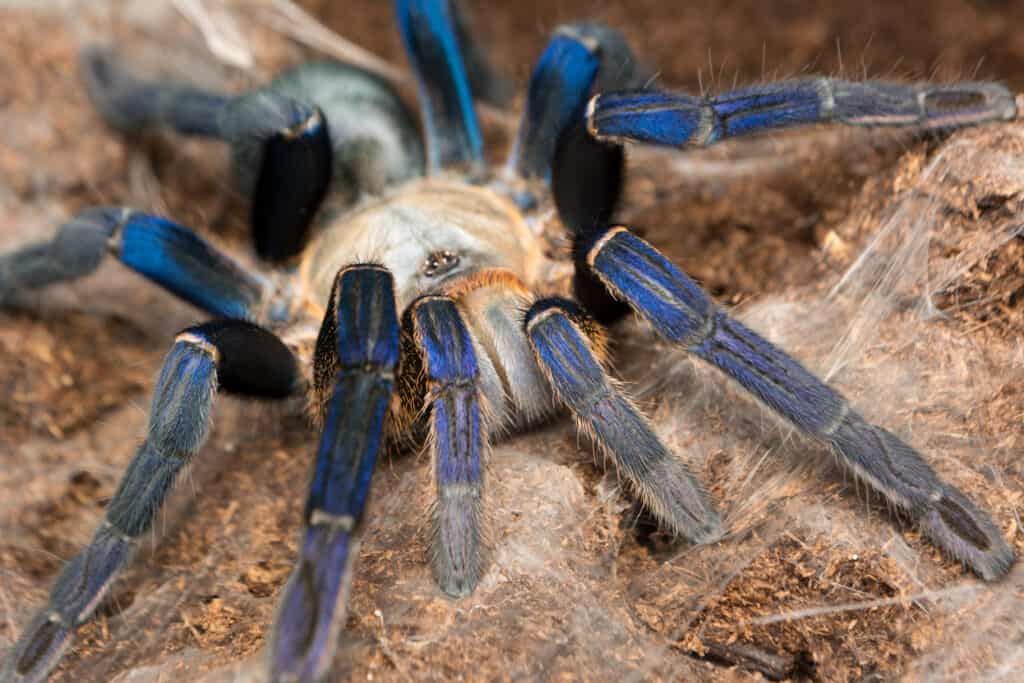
x,y
428,308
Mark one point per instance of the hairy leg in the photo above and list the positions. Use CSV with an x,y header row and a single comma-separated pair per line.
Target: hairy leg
x,y
679,120
235,356
280,146
169,254
457,442
580,57
453,132
684,314
569,346
358,347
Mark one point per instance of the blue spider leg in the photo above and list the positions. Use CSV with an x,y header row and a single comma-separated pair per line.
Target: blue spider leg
x,y
569,346
679,120
235,356
457,441
684,314
361,346
580,57
559,86
170,255
486,82
453,131
281,147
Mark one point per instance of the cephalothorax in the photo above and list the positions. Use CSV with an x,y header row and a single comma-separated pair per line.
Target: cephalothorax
x,y
424,306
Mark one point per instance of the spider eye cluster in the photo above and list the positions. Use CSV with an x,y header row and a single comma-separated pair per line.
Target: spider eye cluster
x,y
439,263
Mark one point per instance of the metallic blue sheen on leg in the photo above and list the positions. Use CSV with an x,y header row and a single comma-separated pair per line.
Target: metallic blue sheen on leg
x,y
636,272
365,314
458,547
178,424
179,260
559,87
679,310
367,347
680,120
662,481
445,340
453,132
303,646
350,444
773,376
166,253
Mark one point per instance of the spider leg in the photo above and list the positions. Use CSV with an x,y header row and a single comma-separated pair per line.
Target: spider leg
x,y
374,134
559,85
236,356
166,253
684,314
568,346
457,441
486,81
359,344
680,120
453,131
579,57
281,147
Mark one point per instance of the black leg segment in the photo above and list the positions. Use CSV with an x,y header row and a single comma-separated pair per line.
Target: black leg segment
x,y
280,145
579,58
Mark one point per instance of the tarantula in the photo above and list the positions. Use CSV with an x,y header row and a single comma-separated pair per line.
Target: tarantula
x,y
427,310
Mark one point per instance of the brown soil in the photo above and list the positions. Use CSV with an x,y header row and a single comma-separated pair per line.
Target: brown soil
x,y
813,580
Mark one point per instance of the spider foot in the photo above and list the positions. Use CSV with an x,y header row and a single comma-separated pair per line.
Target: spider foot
x,y
80,588
967,533
943,512
47,637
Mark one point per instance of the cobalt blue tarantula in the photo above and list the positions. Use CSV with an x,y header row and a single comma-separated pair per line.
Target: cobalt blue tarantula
x,y
427,310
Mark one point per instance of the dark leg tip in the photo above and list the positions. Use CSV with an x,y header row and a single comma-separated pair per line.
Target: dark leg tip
x,y
680,504
957,526
37,652
113,89
457,586
459,550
